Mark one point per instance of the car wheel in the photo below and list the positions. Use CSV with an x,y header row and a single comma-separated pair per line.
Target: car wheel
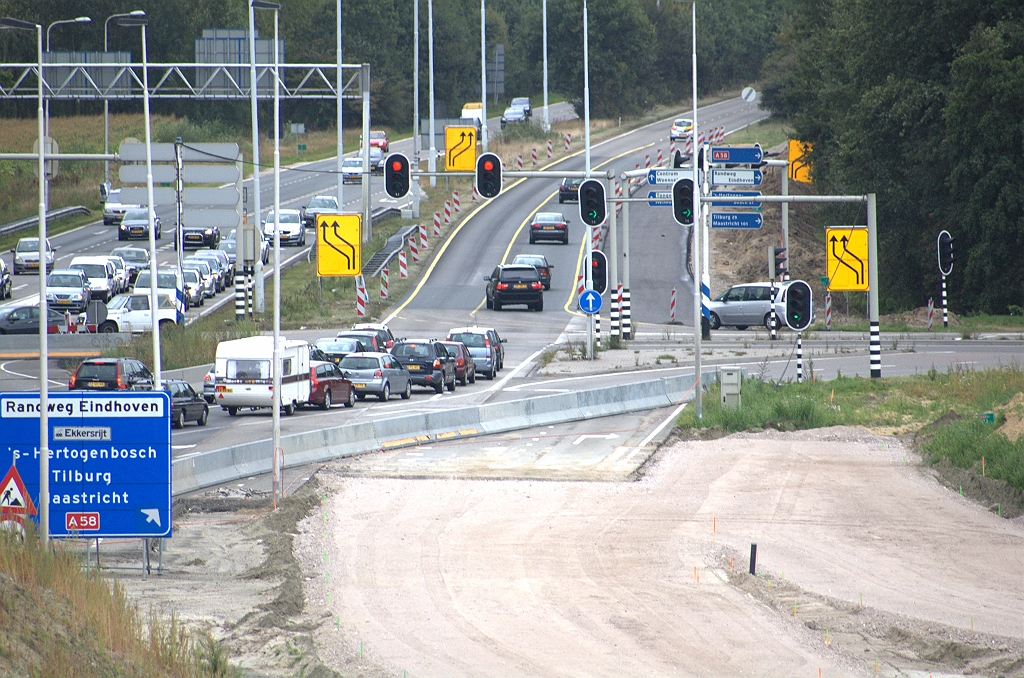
x,y
439,387
490,374
385,395
165,323
451,386
204,417
108,327
360,396
532,241
565,240
179,419
465,379
489,304
407,393
289,409
326,404
539,306
497,305
715,321
561,200
547,287
159,234
233,411
351,400
472,377
768,321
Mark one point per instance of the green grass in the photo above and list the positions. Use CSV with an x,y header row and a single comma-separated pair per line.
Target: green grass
x,y
768,133
893,405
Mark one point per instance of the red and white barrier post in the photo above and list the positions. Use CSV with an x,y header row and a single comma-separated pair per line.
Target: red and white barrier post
x,y
456,205
568,140
533,156
580,288
476,195
519,162
403,265
659,158
414,248
384,283
360,297
647,161
424,243
550,150
437,224
672,306
931,313
828,310
447,214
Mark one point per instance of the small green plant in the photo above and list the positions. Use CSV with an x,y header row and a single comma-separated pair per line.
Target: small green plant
x,y
547,356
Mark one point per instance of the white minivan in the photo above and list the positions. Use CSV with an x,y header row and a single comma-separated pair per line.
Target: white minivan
x,y
100,273
130,313
245,377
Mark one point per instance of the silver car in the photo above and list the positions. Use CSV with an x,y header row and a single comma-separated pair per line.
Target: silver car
x,y
114,209
206,274
378,374
193,287
26,255
742,306
68,290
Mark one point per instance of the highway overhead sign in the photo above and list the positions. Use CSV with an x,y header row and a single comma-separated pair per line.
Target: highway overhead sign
x,y
460,149
846,258
338,244
590,302
736,177
659,198
743,155
746,204
736,220
109,466
667,177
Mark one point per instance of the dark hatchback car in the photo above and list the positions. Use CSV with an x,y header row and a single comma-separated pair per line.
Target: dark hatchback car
x,y
186,404
569,189
540,262
198,236
549,226
515,284
368,338
111,374
327,385
135,259
428,362
336,349
25,320
465,366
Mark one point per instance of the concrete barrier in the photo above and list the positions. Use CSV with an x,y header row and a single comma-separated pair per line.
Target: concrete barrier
x,y
205,469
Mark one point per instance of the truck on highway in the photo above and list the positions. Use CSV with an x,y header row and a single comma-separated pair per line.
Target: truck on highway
x,y
473,111
244,370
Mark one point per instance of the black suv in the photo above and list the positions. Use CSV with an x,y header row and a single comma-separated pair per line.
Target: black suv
x,y
515,284
428,362
111,374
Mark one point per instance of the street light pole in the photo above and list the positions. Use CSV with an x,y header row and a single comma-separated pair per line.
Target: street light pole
x,y
586,90
341,127
697,282
544,21
76,20
483,74
106,102
432,159
416,142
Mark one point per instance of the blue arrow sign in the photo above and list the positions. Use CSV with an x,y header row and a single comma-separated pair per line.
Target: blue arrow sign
x,y
736,220
741,155
659,198
736,177
110,460
590,302
667,177
752,204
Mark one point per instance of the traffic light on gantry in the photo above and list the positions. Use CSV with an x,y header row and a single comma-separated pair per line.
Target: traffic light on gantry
x,y
396,175
598,271
799,309
945,253
780,267
592,202
682,202
488,175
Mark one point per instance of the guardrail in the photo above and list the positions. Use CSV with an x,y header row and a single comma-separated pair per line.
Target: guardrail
x,y
29,222
206,469
384,255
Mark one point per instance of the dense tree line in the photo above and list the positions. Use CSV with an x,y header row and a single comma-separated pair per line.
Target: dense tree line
x,y
639,49
921,102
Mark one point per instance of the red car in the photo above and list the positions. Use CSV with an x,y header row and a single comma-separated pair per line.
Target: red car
x,y
379,140
465,366
327,386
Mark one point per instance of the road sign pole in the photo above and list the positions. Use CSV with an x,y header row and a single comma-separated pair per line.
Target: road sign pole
x,y
945,312
876,339
799,357
364,83
613,269
432,157
627,323
698,406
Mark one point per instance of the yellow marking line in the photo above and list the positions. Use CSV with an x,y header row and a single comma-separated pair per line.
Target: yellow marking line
x,y
389,444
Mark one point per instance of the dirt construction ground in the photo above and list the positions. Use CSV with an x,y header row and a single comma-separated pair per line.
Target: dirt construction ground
x,y
442,577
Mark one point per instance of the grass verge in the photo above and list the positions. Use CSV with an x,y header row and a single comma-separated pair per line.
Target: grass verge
x,y
61,621
942,411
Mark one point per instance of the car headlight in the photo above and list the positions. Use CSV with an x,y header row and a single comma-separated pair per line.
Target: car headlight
x,y
208,231
76,297
50,296
19,260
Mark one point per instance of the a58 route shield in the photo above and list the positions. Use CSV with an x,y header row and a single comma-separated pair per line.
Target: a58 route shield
x,y
338,238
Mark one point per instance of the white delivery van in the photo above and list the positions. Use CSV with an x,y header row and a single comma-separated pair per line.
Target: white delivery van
x,y
245,376
473,111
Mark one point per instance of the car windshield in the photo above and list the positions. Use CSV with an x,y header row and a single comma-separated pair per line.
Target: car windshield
x,y
532,261
228,245
548,217
378,135
96,372
201,266
519,274
190,276
286,218
63,280
136,215
133,255
114,196
91,270
352,163
322,202
512,111
117,262
28,245
412,350
163,280
376,153
338,345
469,339
682,122
520,101
359,363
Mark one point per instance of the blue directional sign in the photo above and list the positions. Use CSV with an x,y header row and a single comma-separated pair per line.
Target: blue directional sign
x,y
740,155
736,177
590,302
667,177
751,204
736,220
109,466
659,198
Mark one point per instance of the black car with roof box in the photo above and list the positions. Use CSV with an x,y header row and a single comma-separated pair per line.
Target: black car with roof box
x,y
428,362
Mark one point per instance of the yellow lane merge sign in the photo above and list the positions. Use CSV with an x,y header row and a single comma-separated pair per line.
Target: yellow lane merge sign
x,y
800,161
338,238
846,258
460,149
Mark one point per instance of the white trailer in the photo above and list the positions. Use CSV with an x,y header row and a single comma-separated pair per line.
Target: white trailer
x,y
245,376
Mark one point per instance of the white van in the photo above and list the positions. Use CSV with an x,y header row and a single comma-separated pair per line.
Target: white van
x,y
130,313
245,378
100,273
166,279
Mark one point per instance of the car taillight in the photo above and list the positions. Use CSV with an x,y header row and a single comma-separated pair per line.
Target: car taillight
x,y
71,382
487,342
312,378
207,377
535,226
535,286
543,271
502,286
437,363
378,374
120,382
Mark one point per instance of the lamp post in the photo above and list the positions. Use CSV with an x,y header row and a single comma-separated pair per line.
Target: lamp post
x,y
416,141
106,102
483,74
276,405
341,129
544,21
432,159
76,20
154,300
44,358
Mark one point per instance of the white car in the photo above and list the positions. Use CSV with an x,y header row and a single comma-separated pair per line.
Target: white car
x,y
682,129
352,171
130,313
114,209
292,230
121,274
100,273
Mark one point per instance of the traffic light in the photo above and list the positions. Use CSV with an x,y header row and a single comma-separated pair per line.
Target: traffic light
x,y
678,160
488,175
779,266
598,271
682,201
396,175
799,308
945,253
592,205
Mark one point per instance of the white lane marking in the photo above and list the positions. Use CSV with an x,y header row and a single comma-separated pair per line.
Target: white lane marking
x,y
20,287
182,447
595,436
662,425
3,368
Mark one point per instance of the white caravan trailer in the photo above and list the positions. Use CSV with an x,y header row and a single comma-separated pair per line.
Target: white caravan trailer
x,y
245,376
